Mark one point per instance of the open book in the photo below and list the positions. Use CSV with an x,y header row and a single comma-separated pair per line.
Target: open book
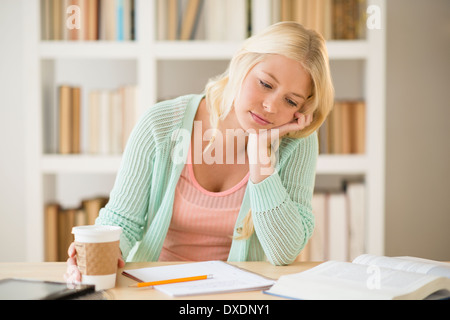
x,y
226,278
368,277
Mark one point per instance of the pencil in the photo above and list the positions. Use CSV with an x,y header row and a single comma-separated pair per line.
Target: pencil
x,y
160,282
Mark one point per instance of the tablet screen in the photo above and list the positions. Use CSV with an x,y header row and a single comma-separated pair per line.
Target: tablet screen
x,y
19,289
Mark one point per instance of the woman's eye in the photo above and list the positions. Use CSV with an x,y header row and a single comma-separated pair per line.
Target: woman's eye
x,y
292,103
265,85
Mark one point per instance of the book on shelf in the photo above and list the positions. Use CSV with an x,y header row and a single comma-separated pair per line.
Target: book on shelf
x,y
69,119
190,18
338,223
369,277
88,20
339,232
344,131
334,19
212,20
59,222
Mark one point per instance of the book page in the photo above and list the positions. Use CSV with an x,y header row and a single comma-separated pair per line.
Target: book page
x,y
409,264
370,277
344,280
226,278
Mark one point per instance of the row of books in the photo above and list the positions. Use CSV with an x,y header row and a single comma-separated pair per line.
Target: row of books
x,y
59,222
344,131
339,232
216,20
212,20
112,20
110,116
334,19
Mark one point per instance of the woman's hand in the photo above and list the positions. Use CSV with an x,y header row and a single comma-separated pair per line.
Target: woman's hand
x,y
73,275
262,146
300,122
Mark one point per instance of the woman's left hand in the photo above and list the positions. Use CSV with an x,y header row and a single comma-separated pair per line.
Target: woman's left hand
x,y
300,122
262,160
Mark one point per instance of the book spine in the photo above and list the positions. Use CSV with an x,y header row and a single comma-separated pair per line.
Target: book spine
x,y
51,232
120,20
344,131
65,123
189,18
172,20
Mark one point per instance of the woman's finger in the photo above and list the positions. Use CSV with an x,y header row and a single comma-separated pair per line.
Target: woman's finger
x,y
71,251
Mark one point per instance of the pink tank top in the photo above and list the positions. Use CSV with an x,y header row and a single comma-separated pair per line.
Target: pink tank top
x,y
202,221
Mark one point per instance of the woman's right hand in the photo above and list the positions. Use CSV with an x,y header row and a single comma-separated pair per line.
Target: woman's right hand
x,y
73,275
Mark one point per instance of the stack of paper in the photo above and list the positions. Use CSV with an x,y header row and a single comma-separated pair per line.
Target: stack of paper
x,y
226,278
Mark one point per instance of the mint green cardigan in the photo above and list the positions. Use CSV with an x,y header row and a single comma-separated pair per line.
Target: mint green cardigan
x,y
142,198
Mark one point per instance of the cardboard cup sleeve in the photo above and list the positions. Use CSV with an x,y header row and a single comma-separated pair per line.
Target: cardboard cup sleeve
x,y
96,259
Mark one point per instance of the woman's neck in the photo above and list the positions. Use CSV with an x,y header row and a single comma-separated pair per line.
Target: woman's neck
x,y
234,138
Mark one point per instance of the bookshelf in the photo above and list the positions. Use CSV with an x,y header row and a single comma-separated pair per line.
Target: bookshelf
x,y
154,64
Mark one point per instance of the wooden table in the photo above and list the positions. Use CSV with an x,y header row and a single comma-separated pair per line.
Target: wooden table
x,y
53,271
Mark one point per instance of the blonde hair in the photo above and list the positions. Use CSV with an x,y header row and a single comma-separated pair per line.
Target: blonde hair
x,y
293,41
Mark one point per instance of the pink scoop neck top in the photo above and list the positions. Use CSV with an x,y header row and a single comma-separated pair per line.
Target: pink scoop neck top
x,y
202,221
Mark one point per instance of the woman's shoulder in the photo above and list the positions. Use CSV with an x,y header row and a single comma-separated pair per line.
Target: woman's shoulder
x,y
159,121
299,147
166,116
172,109
310,141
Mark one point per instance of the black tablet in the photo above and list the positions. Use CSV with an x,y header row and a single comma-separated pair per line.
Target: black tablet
x,y
22,289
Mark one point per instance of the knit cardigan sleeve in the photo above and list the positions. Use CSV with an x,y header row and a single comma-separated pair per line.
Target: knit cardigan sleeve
x,y
281,204
128,201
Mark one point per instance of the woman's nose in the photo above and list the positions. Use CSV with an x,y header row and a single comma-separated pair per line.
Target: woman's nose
x,y
270,105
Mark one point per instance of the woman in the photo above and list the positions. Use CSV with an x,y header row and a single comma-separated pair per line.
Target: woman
x,y
228,175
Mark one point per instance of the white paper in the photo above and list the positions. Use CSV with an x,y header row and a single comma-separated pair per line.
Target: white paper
x,y
226,278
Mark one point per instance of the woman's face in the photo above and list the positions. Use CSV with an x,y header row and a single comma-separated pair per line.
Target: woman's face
x,y
271,93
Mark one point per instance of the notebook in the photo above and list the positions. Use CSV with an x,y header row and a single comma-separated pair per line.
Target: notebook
x,y
226,278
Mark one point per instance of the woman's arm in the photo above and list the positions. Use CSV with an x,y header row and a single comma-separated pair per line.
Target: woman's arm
x,y
128,203
281,203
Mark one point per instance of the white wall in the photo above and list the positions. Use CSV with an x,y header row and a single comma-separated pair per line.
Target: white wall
x,y
12,134
418,130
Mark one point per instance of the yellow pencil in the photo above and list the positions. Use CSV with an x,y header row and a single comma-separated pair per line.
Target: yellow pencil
x,y
160,282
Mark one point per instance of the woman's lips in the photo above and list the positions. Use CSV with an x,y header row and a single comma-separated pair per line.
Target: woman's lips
x,y
259,119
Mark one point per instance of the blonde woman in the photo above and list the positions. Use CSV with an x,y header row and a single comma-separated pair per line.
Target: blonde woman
x,y
229,174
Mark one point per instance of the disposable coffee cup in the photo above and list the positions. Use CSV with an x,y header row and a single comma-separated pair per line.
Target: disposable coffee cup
x,y
97,254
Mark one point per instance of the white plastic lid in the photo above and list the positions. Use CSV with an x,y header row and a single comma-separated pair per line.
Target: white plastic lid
x,y
97,234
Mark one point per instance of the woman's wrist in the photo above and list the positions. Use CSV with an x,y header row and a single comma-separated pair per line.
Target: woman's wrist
x,y
260,156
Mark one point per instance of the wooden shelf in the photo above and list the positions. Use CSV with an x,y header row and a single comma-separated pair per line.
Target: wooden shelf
x,y
88,50
178,50
342,164
70,164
